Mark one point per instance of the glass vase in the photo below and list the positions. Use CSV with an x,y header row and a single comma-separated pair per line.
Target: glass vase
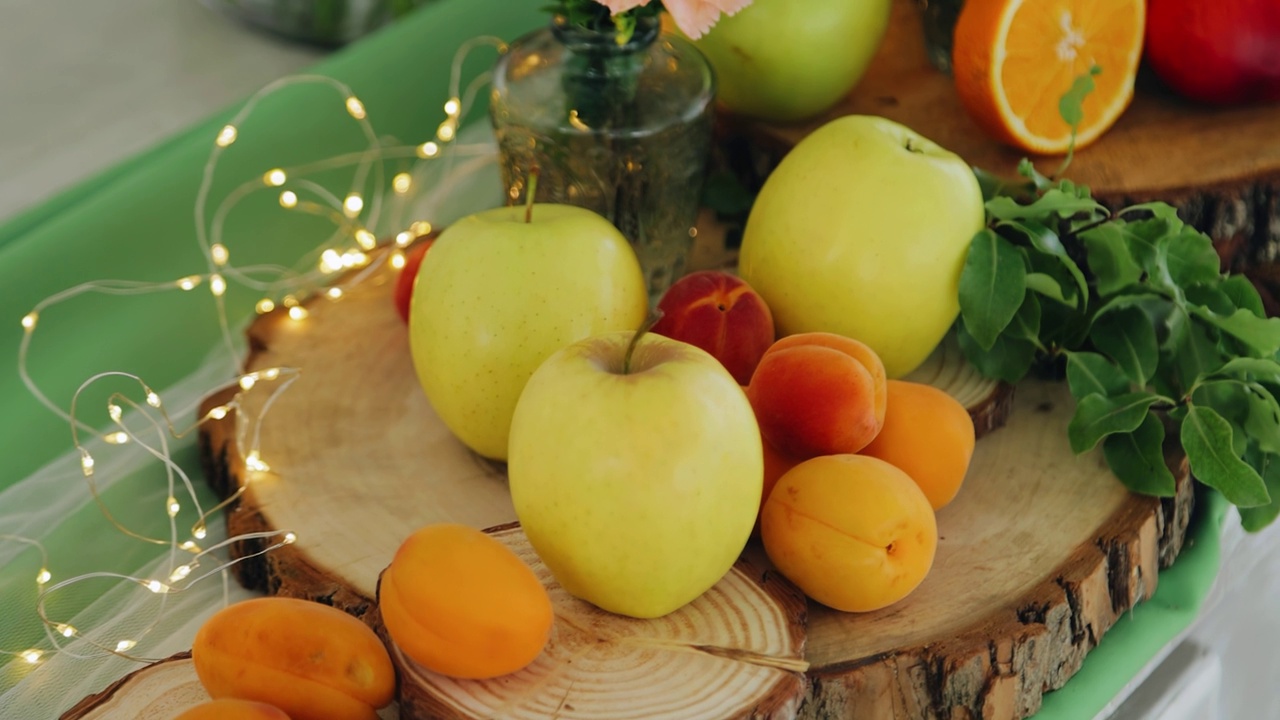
x,y
621,129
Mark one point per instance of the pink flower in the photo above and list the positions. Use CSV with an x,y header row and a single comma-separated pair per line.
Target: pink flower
x,y
693,17
621,6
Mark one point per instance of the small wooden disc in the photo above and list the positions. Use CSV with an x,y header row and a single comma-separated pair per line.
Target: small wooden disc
x,y
734,652
159,691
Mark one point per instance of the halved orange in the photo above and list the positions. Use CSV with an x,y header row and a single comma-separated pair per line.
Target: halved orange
x,y
1012,61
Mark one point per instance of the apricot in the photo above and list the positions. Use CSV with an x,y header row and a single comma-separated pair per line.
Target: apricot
x,y
721,314
819,394
312,661
458,602
232,709
776,465
853,532
928,435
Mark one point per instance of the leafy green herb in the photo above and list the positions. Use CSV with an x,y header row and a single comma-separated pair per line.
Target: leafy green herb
x,y
1156,340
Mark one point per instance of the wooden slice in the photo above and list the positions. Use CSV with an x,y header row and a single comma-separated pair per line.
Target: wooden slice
x,y
735,652
1219,166
1039,554
159,691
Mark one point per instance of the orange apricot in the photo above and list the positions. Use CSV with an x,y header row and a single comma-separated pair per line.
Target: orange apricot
x,y
928,435
853,532
721,314
312,661
776,464
458,602
818,394
233,709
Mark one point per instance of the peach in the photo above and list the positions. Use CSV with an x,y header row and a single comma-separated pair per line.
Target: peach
x,y
853,532
721,314
232,709
458,602
312,661
819,394
928,435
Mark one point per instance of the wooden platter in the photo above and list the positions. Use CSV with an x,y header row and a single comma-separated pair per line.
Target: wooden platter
x,y
1219,166
1039,555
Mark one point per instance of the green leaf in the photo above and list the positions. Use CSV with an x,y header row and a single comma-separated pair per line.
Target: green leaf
x,y
1047,286
1028,170
1191,257
1260,334
1158,210
1052,203
1195,355
1137,458
1263,421
1127,336
1243,294
1206,438
1254,519
1008,359
1046,241
1096,417
992,286
1260,368
1089,373
1109,259
1211,297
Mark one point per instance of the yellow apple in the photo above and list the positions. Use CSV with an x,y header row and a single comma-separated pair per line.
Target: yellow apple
x,y
638,487
788,60
498,294
862,230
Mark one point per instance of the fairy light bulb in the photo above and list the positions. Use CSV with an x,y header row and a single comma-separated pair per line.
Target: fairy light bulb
x,y
219,254
355,108
403,238
153,399
334,293
401,183
353,204
217,285
254,463
32,656
290,301
156,587
428,150
226,136
274,177
179,573
29,321
189,547
189,282
420,228
115,412
290,538
271,373
116,438
264,306
219,412
452,107
199,532
65,630
172,506
44,576
247,382
445,131
126,645
86,463
397,260
330,261
288,199
366,239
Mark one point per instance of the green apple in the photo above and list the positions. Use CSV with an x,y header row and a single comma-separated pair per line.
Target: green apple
x,y
638,486
788,60
500,291
862,230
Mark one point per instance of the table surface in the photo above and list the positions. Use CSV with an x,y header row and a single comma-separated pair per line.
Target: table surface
x,y
88,84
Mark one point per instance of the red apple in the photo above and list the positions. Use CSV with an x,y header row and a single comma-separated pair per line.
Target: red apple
x,y
1222,52
721,314
404,284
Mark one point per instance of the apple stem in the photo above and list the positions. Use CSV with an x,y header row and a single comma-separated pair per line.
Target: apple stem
x,y
645,327
532,186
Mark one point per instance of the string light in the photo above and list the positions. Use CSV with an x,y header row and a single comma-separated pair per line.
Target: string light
x,y
247,382
428,150
156,587
355,107
172,506
189,282
403,238
179,573
290,538
65,630
43,576
32,656
397,260
446,131
420,228
288,199
217,285
115,412
254,464
126,645
401,183
153,399
366,239
291,301
29,321
271,373
452,107
199,532
334,293
189,547
116,438
226,136
330,261
86,463
264,306
353,205
219,254
274,177
219,412
298,312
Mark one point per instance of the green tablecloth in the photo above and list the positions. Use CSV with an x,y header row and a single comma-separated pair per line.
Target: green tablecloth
x,y
135,222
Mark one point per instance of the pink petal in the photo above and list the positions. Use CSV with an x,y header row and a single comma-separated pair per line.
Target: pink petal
x,y
696,17
619,6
